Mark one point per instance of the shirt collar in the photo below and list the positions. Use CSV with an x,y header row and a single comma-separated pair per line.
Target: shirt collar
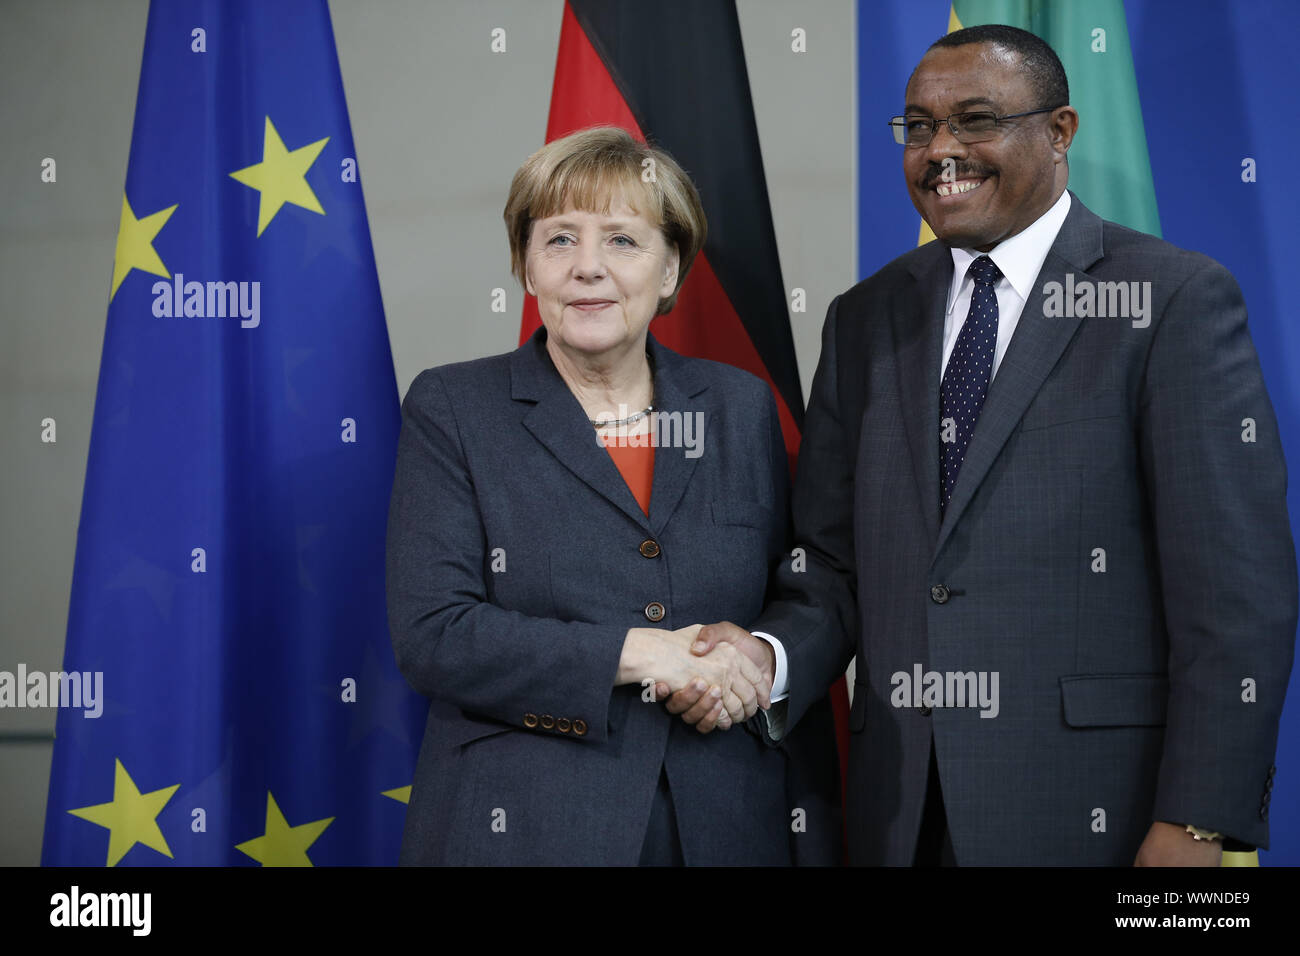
x,y
1021,257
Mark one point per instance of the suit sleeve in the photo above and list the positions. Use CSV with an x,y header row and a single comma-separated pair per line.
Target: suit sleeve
x,y
778,550
451,643
1227,561
814,611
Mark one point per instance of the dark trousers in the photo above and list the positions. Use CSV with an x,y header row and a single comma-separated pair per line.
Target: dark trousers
x,y
663,844
934,842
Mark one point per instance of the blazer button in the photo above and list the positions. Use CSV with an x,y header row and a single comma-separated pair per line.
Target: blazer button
x,y
654,611
530,720
547,721
925,711
939,594
580,727
649,548
563,725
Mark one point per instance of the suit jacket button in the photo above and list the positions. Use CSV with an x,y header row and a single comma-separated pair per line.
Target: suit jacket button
x,y
925,711
939,594
530,720
547,721
580,727
563,725
649,548
654,611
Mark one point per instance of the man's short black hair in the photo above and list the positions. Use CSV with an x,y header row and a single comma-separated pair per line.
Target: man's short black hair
x,y
1043,66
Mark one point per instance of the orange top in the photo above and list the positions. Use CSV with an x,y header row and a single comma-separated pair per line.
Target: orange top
x,y
636,463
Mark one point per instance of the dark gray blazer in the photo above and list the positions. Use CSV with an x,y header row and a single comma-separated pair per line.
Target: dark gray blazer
x,y
517,561
1150,690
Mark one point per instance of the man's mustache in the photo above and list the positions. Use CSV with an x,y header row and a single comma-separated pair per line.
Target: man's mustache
x,y
935,175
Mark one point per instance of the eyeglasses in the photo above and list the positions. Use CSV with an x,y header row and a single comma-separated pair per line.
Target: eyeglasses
x,y
974,127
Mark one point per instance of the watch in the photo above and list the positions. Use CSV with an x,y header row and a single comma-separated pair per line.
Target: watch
x,y
1200,834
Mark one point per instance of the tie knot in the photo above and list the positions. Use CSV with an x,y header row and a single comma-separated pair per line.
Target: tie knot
x,y
985,269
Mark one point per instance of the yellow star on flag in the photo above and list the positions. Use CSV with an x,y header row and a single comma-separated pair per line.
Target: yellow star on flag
x,y
131,817
281,176
401,794
135,244
283,845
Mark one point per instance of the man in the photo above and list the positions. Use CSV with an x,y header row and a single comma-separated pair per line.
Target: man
x,y
1046,510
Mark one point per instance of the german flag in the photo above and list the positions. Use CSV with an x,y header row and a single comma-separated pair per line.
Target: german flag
x,y
674,72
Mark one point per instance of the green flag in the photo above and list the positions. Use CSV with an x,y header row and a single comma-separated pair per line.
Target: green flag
x,y
1109,166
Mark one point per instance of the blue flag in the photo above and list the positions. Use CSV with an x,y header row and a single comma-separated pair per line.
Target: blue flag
x,y
241,702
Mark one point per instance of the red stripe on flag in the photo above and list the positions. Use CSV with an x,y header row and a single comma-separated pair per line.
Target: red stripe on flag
x,y
704,323
584,94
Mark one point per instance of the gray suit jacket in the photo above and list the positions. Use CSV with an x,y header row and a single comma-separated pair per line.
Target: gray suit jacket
x,y
518,559
1114,552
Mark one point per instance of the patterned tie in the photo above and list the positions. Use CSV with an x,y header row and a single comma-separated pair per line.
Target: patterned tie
x,y
966,380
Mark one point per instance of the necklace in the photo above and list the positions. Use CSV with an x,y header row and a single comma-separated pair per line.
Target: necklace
x,y
631,419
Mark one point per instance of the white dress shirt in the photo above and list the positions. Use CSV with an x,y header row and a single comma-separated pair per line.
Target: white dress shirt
x,y
1020,259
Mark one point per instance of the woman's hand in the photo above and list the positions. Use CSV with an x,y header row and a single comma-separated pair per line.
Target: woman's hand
x,y
735,684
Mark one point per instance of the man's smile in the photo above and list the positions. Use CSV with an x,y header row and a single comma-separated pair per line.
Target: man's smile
x,y
946,190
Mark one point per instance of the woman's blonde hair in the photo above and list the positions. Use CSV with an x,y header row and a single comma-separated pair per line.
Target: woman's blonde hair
x,y
589,170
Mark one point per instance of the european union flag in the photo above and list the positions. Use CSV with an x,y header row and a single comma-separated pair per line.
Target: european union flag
x,y
229,577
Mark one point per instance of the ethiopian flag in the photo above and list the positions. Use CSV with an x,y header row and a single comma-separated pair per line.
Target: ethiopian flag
x,y
1109,166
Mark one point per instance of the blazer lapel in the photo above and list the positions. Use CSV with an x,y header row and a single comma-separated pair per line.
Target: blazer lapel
x,y
1035,349
679,388
557,420
919,347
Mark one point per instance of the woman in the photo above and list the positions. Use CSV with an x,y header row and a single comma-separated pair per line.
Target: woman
x,y
564,517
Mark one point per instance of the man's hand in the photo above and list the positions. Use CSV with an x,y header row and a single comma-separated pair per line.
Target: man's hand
x,y
1168,844
698,707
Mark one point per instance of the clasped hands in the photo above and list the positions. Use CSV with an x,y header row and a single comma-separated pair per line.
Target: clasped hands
x,y
713,675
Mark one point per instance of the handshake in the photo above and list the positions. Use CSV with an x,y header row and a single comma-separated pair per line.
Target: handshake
x,y
713,675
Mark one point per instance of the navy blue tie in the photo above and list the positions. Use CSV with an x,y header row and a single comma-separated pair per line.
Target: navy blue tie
x,y
966,380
